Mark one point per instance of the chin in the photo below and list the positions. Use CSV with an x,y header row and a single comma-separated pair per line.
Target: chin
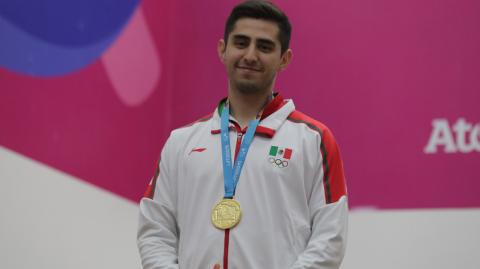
x,y
248,88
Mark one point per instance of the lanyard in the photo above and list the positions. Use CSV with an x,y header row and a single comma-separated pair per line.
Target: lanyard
x,y
231,176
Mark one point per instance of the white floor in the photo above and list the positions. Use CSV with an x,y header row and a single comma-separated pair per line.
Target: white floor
x,y
50,220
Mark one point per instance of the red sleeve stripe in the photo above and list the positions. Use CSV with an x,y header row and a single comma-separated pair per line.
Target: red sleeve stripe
x,y
326,170
333,175
151,187
333,168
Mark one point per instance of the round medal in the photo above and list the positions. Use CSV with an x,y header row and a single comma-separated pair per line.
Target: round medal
x,y
226,214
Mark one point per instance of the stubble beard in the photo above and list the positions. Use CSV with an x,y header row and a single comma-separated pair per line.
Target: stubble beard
x,y
252,88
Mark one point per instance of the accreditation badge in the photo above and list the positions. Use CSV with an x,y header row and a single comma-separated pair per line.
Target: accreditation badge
x,y
226,214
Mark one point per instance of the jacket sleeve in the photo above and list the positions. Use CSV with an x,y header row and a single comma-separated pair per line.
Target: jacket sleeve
x,y
157,235
328,211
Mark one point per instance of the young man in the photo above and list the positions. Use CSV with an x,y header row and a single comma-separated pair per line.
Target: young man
x,y
273,198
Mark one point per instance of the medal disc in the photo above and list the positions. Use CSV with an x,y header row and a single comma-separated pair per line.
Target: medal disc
x,y
226,214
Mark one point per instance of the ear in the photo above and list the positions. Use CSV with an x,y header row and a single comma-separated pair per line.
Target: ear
x,y
221,50
286,58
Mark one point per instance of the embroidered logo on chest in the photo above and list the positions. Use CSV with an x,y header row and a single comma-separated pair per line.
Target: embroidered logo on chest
x,y
279,156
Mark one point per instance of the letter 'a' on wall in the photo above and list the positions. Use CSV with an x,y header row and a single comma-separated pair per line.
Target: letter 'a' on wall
x,y
441,136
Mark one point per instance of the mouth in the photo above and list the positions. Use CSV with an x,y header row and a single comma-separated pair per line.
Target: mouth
x,y
249,68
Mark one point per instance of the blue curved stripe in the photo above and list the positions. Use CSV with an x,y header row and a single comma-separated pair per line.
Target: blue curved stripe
x,y
26,53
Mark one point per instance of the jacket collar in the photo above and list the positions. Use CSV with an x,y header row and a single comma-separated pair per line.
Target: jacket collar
x,y
273,116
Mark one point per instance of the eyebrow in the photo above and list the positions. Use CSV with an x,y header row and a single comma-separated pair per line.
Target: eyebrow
x,y
263,41
241,37
268,42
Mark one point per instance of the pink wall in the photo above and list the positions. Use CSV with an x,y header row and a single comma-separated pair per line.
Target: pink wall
x,y
378,73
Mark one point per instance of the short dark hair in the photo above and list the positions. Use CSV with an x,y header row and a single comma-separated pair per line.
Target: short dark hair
x,y
264,10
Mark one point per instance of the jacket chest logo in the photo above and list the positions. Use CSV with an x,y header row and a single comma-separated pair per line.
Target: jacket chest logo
x,y
279,156
197,150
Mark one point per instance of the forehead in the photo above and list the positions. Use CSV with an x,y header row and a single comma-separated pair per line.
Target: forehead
x,y
256,29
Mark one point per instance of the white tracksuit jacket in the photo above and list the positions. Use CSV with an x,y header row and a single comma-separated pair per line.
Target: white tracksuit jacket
x,y
291,190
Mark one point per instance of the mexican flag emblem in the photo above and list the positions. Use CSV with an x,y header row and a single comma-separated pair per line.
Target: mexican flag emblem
x,y
280,153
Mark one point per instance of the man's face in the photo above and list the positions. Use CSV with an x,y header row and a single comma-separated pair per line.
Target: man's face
x,y
252,55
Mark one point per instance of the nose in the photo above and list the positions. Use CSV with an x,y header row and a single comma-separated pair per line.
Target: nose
x,y
250,54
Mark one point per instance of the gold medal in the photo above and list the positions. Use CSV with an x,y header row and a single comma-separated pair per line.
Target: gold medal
x,y
226,214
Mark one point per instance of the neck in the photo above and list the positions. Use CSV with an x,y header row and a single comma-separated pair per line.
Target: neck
x,y
246,107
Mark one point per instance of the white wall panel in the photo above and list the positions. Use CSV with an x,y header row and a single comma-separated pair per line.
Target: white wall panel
x,y
414,239
51,220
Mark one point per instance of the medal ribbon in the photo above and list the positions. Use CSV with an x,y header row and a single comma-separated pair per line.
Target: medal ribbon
x,y
232,175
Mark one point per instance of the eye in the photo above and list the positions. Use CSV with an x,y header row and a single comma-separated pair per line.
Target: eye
x,y
265,47
240,43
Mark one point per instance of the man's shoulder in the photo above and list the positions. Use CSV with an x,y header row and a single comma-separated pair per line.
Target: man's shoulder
x,y
313,124
201,120
195,126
